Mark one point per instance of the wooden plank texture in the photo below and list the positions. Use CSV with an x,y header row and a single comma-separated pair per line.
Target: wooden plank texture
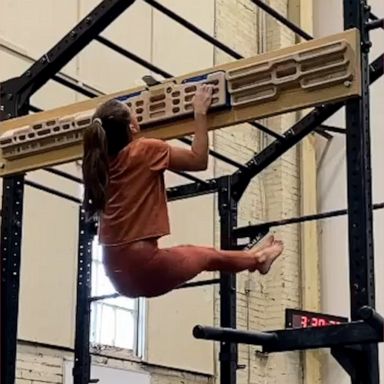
x,y
276,82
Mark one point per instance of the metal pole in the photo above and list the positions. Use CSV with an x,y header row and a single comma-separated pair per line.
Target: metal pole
x,y
66,175
132,56
376,24
360,218
250,230
11,235
235,335
82,361
228,220
52,191
272,12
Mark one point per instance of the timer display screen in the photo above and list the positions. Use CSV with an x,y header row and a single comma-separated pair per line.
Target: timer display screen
x,y
295,318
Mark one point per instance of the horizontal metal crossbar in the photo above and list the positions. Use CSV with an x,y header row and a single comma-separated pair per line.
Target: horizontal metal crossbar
x,y
373,17
192,190
283,340
375,24
251,230
133,57
215,154
52,191
192,284
354,333
66,175
329,128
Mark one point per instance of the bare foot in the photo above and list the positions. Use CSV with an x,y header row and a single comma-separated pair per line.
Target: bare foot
x,y
267,242
268,255
262,244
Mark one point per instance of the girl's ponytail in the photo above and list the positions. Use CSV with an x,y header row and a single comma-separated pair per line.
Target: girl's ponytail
x,y
95,168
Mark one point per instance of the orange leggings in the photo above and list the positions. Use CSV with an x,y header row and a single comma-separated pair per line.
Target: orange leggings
x,y
143,270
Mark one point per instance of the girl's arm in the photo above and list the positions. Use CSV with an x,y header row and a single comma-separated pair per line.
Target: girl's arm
x,y
196,158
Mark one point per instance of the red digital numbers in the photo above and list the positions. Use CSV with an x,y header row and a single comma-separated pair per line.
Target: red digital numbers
x,y
307,321
304,321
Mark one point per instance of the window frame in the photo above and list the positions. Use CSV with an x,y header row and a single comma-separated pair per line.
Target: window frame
x,y
138,312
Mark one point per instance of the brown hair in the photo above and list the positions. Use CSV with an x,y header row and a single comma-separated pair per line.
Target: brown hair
x,y
103,139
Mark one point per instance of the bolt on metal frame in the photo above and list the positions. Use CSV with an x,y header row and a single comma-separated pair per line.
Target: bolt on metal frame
x,y
15,102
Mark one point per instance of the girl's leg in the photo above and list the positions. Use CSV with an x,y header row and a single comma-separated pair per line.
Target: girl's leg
x,y
176,265
149,271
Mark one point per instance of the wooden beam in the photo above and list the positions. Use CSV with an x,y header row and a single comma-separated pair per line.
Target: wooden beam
x,y
304,75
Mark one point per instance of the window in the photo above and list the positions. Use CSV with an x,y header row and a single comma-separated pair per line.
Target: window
x,y
114,322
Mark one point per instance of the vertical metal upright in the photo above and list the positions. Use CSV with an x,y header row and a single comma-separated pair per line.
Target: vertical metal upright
x,y
228,221
361,257
11,236
11,232
82,360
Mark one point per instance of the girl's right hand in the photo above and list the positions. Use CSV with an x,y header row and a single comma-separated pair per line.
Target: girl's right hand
x,y
202,99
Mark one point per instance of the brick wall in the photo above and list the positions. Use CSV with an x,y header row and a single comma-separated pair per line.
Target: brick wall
x,y
38,365
271,195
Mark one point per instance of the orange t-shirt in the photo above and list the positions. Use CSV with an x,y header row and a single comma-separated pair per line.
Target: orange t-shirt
x,y
136,196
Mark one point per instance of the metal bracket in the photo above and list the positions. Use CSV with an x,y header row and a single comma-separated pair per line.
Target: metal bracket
x,y
348,358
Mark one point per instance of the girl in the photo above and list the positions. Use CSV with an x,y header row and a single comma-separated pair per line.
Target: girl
x,y
124,187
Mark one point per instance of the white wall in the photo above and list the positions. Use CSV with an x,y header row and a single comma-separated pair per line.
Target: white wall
x,y
332,189
48,272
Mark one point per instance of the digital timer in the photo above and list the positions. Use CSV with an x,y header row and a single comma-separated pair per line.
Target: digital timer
x,y
295,318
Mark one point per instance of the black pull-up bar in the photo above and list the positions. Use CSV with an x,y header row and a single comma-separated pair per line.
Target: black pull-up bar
x,y
373,17
357,332
233,335
295,339
375,24
192,284
249,230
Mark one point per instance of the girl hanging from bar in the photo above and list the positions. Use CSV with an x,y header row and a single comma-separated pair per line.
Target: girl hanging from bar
x,y
124,189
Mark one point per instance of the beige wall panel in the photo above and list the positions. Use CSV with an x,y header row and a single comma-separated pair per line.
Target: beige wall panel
x,y
48,268
177,50
10,65
107,70
36,25
172,317
53,95
332,183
